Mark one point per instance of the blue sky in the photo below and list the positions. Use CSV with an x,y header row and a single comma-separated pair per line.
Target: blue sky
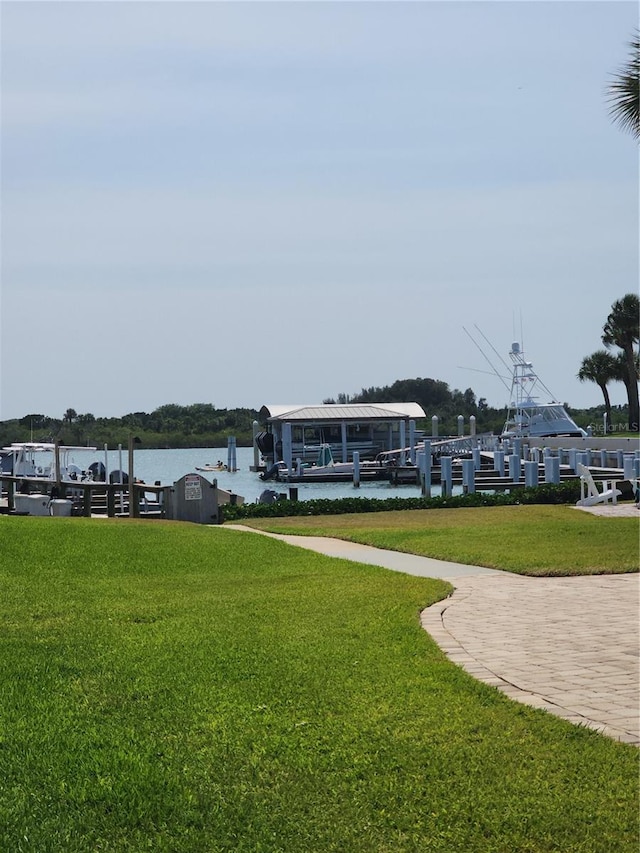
x,y
270,202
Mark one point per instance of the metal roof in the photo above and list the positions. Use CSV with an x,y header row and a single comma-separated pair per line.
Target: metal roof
x,y
343,412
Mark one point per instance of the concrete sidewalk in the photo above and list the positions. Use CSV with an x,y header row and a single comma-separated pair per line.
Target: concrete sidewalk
x,y
568,645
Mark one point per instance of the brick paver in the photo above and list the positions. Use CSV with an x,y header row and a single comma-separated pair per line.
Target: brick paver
x,y
568,645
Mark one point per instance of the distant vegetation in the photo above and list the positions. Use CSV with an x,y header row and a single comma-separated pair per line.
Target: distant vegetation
x,y
202,425
198,425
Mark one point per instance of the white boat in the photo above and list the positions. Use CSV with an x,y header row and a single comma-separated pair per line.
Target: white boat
x,y
208,467
526,416
324,470
37,460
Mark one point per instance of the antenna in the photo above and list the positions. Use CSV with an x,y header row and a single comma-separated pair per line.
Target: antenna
x,y
504,363
486,358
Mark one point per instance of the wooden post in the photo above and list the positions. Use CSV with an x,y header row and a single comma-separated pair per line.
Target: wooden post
x,y
426,469
356,469
86,498
111,500
468,476
446,476
131,479
57,464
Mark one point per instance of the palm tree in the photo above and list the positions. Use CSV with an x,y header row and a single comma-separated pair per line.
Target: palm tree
x,y
601,368
621,373
69,416
622,329
623,94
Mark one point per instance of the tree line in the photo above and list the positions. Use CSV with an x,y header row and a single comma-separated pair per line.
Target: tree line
x,y
202,425
170,425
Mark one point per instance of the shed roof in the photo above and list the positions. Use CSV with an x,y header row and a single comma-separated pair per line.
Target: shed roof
x,y
342,412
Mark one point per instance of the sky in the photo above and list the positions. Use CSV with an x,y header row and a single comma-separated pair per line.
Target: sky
x,y
249,203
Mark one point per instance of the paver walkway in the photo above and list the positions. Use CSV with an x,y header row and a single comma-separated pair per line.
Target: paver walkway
x,y
568,645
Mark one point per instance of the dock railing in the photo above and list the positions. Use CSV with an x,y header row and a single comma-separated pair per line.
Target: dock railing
x,y
457,445
84,495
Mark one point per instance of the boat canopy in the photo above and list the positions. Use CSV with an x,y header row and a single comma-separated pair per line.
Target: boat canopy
x,y
342,412
325,456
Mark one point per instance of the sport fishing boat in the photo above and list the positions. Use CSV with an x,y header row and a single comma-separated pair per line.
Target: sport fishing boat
x,y
527,417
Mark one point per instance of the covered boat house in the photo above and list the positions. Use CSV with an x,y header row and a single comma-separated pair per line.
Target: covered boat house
x,y
297,432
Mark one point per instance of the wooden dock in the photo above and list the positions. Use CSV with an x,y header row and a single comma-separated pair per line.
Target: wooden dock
x,y
93,497
486,479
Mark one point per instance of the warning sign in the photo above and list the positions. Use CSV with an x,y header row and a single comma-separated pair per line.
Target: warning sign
x,y
192,488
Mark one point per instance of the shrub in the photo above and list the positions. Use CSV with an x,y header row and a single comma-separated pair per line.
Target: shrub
x,y
564,493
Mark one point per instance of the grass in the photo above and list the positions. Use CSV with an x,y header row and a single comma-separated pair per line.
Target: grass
x,y
171,687
531,540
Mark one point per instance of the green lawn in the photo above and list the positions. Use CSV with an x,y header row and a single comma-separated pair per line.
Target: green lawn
x,y
172,687
531,540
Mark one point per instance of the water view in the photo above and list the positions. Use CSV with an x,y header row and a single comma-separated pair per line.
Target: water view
x,y
168,466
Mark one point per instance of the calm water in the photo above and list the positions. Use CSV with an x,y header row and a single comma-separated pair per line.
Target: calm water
x,y
167,466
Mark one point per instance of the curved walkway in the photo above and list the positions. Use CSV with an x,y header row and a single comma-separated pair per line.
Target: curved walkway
x,y
567,645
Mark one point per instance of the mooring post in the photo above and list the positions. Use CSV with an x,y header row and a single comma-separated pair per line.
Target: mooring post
x,y
286,445
530,474
460,425
498,462
551,469
468,476
472,425
232,464
256,450
582,458
412,442
356,469
403,443
514,467
56,454
434,426
446,475
132,495
628,466
426,469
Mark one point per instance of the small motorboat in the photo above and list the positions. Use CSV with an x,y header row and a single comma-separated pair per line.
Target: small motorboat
x,y
219,466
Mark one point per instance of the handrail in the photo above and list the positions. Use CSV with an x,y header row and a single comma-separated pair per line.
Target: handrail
x,y
112,490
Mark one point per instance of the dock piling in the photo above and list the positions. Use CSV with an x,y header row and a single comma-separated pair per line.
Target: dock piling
x,y
446,475
356,469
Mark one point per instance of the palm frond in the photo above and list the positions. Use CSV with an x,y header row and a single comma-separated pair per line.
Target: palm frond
x,y
623,93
